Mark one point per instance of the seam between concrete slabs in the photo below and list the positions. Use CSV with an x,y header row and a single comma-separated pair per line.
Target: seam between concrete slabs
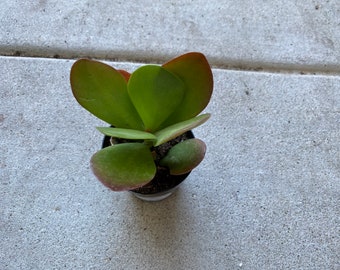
x,y
232,65
226,68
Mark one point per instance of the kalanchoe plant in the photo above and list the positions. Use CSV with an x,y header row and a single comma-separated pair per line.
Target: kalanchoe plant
x,y
145,109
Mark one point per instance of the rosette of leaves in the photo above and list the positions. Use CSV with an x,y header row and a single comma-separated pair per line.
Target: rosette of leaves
x,y
147,108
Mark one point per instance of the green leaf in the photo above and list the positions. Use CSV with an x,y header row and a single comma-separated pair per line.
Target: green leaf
x,y
124,166
102,90
175,130
126,133
155,93
194,70
185,156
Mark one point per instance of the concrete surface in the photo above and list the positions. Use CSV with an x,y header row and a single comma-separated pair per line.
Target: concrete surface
x,y
265,197
259,34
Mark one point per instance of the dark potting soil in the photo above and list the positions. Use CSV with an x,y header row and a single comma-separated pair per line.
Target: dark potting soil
x,y
163,180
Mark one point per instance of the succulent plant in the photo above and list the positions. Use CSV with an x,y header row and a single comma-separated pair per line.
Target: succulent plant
x,y
145,109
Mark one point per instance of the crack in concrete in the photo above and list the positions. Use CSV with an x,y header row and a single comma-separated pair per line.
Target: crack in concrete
x,y
142,57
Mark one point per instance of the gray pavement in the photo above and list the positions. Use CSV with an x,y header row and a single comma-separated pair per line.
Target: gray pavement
x,y
258,34
265,197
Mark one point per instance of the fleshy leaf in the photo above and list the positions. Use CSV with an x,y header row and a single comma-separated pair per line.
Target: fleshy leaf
x,y
155,93
124,166
185,156
194,70
125,74
124,133
102,90
175,130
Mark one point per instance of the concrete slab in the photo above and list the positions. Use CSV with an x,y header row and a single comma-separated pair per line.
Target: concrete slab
x,y
244,34
265,197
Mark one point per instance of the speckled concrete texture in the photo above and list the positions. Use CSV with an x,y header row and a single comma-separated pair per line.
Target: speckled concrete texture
x,y
265,197
240,34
